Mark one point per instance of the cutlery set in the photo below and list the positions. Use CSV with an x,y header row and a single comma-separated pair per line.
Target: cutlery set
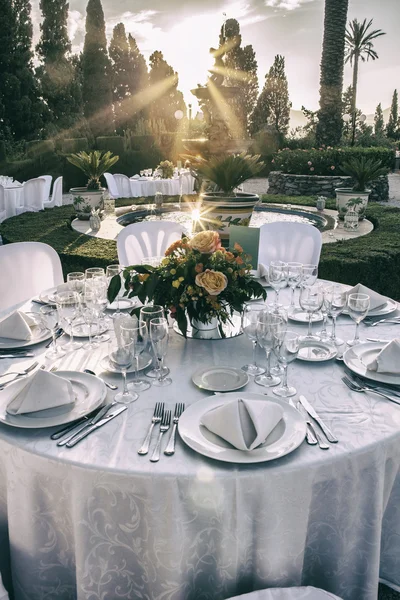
x,y
313,437
163,418
16,353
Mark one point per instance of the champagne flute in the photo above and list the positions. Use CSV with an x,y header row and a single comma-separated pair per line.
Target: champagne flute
x,y
295,274
335,298
323,334
311,298
159,335
266,324
68,306
278,277
310,275
358,307
121,357
287,349
147,313
112,271
249,327
136,332
49,316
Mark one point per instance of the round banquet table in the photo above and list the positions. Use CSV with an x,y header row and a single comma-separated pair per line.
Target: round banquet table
x,y
13,199
168,187
100,521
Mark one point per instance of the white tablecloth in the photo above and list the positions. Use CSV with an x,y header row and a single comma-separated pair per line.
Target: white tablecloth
x,y
100,521
13,197
169,187
298,593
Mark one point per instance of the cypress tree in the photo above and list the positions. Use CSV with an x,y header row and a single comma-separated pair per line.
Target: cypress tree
x,y
169,99
121,76
97,88
379,123
393,126
7,35
139,82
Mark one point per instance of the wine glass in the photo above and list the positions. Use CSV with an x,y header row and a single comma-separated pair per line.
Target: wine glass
x,y
287,348
249,326
68,306
95,273
141,173
335,298
358,307
76,281
265,330
121,357
112,271
310,275
99,289
147,313
278,277
323,334
49,316
294,277
89,315
159,335
133,331
311,298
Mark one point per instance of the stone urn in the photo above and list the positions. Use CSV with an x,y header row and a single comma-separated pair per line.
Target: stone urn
x,y
219,211
347,199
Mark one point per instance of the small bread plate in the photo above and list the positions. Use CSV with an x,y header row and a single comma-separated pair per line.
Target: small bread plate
x,y
358,357
40,333
220,379
124,303
316,351
389,307
145,361
284,438
300,316
90,393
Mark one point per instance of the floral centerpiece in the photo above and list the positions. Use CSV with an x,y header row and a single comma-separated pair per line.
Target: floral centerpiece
x,y
166,168
197,279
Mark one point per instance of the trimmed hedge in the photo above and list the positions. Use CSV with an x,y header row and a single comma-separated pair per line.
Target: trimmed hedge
x,y
73,145
373,259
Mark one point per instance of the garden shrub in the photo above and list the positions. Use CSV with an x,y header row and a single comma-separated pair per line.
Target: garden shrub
x,y
70,146
141,142
3,154
38,147
112,143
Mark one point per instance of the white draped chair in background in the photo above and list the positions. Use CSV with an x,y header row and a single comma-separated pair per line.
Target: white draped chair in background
x,y
295,593
46,192
142,240
27,268
123,185
33,196
3,212
186,183
112,185
56,198
289,242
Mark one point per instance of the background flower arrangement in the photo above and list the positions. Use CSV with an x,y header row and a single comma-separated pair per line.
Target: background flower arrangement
x,y
197,278
166,169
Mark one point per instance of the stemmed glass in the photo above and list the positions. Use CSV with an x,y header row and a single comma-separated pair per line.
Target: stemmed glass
x,y
121,357
137,333
76,281
286,348
112,271
323,334
295,274
68,306
265,331
99,289
358,307
88,313
278,277
94,273
147,313
335,298
249,327
159,336
310,275
311,298
49,315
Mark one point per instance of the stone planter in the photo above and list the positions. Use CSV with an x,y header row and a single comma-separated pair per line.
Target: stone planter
x,y
347,199
220,211
90,198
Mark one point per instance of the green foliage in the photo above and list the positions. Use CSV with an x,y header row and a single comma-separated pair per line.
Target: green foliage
x,y
164,83
379,123
2,151
363,170
94,165
38,147
228,172
166,168
74,145
113,143
393,126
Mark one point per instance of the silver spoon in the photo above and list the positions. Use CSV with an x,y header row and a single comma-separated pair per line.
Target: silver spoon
x,y
109,385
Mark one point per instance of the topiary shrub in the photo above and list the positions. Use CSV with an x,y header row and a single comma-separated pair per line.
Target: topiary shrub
x,y
69,146
112,143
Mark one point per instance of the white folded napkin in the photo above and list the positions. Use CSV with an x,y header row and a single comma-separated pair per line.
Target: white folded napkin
x,y
263,271
388,359
245,424
375,300
135,177
41,391
16,326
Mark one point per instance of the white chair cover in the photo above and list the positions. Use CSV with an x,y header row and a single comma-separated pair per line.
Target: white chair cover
x,y
112,185
123,185
136,188
142,240
3,592
295,593
3,214
56,198
33,196
27,268
289,242
186,184
46,194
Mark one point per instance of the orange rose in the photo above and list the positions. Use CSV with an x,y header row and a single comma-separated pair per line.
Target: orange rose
x,y
213,282
198,268
238,247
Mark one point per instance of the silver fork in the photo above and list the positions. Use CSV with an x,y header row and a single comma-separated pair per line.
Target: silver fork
x,y
156,418
19,375
313,429
165,423
356,387
170,449
393,320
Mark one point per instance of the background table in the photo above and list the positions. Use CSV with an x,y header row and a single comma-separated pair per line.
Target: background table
x,y
168,187
99,519
14,198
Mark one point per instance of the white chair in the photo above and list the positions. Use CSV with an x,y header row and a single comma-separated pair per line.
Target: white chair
x,y
186,184
56,198
27,268
3,213
294,593
46,193
123,185
33,196
142,240
112,186
3,592
289,242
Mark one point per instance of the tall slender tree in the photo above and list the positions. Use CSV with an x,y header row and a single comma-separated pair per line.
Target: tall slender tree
x,y
359,45
379,123
169,99
97,88
7,38
139,82
393,126
121,76
329,127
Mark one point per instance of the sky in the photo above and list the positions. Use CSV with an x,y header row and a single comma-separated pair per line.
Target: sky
x,y
184,30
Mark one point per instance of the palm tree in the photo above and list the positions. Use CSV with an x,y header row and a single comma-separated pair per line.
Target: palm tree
x,y
359,46
329,127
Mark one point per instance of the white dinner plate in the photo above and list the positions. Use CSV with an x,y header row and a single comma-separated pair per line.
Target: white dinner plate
x,y
316,351
124,303
90,393
144,361
300,316
357,358
386,309
286,437
220,379
40,333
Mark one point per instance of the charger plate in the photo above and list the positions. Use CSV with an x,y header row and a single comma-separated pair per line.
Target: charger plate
x,y
357,357
40,333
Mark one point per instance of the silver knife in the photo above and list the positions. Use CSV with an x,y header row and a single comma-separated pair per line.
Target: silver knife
x,y
311,411
88,423
88,430
20,355
88,418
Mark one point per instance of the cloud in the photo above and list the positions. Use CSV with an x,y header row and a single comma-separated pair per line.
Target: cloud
x,y
76,30
286,4
140,25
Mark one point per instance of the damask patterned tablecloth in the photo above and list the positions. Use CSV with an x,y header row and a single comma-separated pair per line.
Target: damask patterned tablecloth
x,y
101,522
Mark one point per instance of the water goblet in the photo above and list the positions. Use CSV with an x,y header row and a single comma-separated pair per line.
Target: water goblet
x,y
295,274
121,358
159,336
49,316
265,331
278,277
147,313
249,326
287,348
133,331
68,306
310,275
112,271
335,298
76,281
358,307
95,273
311,298
89,317
99,288
282,312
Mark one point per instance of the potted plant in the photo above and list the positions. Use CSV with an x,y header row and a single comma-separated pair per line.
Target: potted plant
x,y
362,170
222,205
94,165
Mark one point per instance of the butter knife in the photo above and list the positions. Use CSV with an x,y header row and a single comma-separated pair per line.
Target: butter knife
x,y
77,438
311,411
87,424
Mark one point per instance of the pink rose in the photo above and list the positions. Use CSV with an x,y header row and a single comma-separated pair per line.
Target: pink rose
x,y
333,167
311,168
309,163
